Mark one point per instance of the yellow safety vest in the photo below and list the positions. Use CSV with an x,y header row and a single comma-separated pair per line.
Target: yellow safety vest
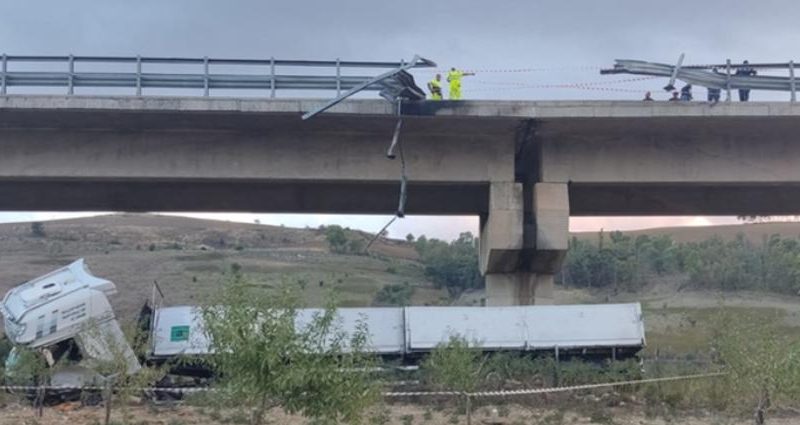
x,y
454,77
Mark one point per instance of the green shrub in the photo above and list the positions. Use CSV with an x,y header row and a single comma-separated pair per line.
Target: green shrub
x,y
394,295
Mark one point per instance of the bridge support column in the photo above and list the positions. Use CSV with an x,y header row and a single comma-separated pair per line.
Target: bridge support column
x,y
523,242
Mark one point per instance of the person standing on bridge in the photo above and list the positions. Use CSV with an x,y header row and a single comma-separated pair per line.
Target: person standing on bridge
x,y
454,78
435,87
745,71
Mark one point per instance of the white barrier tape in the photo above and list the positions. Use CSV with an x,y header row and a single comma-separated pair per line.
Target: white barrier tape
x,y
594,386
517,70
96,388
401,394
585,83
557,389
423,393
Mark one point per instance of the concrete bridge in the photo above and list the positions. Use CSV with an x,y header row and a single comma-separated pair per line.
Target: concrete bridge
x,y
523,167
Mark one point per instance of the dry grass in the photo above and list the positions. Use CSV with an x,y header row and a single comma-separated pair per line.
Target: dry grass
x,y
190,257
398,414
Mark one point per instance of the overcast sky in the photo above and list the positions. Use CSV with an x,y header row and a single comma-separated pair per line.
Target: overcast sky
x,y
566,41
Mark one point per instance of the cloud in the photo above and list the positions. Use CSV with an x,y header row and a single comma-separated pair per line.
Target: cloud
x,y
561,38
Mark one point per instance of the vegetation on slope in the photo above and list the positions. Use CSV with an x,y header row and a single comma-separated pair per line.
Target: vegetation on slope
x,y
626,263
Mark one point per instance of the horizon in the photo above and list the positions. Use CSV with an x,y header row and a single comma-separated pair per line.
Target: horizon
x,y
263,220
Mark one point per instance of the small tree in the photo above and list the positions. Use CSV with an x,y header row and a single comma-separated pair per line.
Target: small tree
x,y
454,365
113,357
266,358
763,363
336,237
410,238
37,229
398,294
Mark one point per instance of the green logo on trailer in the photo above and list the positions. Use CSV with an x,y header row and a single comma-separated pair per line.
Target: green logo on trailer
x,y
179,333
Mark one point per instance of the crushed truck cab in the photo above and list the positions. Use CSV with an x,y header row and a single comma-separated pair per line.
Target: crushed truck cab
x,y
68,303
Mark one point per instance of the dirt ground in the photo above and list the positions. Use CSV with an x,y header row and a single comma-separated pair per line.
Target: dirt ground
x,y
399,414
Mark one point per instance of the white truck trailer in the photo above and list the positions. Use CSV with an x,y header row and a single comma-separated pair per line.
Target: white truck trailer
x,y
70,304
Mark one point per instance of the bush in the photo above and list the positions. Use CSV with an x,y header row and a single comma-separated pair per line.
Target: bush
x,y
762,361
37,229
341,243
455,365
267,361
336,238
452,266
394,295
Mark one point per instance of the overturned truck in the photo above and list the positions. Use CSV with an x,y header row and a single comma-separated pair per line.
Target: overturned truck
x,y
66,313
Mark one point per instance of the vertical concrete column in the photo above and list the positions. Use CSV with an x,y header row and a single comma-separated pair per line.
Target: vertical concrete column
x,y
501,229
551,218
518,288
519,268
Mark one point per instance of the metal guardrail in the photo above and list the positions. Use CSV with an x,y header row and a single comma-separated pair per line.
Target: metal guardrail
x,y
65,73
710,76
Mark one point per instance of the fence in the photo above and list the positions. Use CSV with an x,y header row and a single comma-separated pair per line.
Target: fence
x,y
468,397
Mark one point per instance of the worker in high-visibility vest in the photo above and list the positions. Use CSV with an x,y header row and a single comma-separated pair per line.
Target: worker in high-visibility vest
x,y
435,87
454,77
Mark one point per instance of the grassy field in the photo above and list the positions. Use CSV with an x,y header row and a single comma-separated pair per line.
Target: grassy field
x,y
190,258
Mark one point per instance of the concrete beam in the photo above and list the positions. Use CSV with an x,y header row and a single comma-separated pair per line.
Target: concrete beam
x,y
239,196
682,151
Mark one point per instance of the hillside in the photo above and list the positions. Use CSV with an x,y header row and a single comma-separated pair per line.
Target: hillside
x,y
754,232
188,258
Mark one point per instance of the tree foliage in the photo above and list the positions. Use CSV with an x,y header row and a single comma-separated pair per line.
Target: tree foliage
x,y
627,263
454,365
398,294
37,229
268,358
762,362
452,266
342,243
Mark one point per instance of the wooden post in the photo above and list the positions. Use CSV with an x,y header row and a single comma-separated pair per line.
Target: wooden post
x,y
109,394
468,408
40,393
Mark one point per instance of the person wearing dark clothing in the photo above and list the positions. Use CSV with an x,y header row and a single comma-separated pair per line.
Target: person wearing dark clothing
x,y
714,92
674,97
686,93
648,97
745,71
713,95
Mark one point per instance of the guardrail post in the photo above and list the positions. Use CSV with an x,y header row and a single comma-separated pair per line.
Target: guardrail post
x,y
728,80
468,408
205,76
338,77
138,75
792,81
272,77
71,83
557,367
5,70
